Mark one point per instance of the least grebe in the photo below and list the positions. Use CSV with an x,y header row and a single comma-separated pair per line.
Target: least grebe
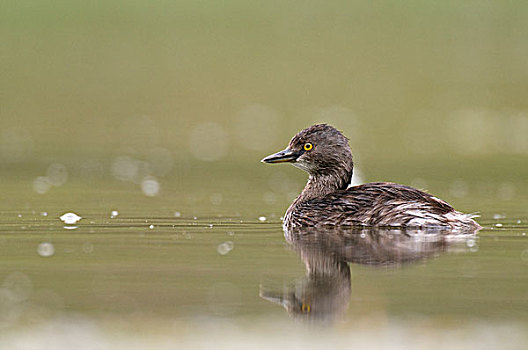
x,y
328,199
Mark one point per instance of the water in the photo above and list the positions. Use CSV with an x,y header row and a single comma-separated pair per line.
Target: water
x,y
180,278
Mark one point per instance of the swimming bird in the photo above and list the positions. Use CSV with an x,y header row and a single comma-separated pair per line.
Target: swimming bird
x,y
328,198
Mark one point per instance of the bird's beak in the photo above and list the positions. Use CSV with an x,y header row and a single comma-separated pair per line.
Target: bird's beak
x,y
281,157
275,298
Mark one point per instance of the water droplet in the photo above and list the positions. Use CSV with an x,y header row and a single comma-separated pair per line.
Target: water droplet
x,y
262,218
44,213
19,215
224,248
210,225
470,243
519,221
150,186
114,214
498,225
177,214
70,218
45,249
362,235
151,227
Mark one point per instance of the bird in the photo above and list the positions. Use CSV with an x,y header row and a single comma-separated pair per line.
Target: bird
x,y
329,199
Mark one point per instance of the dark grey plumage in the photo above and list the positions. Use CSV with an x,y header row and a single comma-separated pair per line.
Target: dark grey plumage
x,y
327,199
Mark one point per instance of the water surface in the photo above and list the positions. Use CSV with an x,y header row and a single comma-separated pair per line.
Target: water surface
x,y
121,278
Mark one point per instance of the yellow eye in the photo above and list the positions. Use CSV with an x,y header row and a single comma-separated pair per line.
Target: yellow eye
x,y
305,308
308,146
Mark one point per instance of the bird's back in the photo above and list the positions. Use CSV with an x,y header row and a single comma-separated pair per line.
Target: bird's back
x,y
378,204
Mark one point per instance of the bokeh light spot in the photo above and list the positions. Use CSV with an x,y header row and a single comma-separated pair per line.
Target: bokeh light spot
x,y
224,248
150,186
45,249
57,174
41,185
208,142
257,126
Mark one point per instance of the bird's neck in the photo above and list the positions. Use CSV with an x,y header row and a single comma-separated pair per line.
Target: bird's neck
x,y
319,185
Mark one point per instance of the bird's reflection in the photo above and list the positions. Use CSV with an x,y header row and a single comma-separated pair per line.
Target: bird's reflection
x,y
324,293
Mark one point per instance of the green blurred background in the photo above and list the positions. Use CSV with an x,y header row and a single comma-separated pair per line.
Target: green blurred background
x,y
193,94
